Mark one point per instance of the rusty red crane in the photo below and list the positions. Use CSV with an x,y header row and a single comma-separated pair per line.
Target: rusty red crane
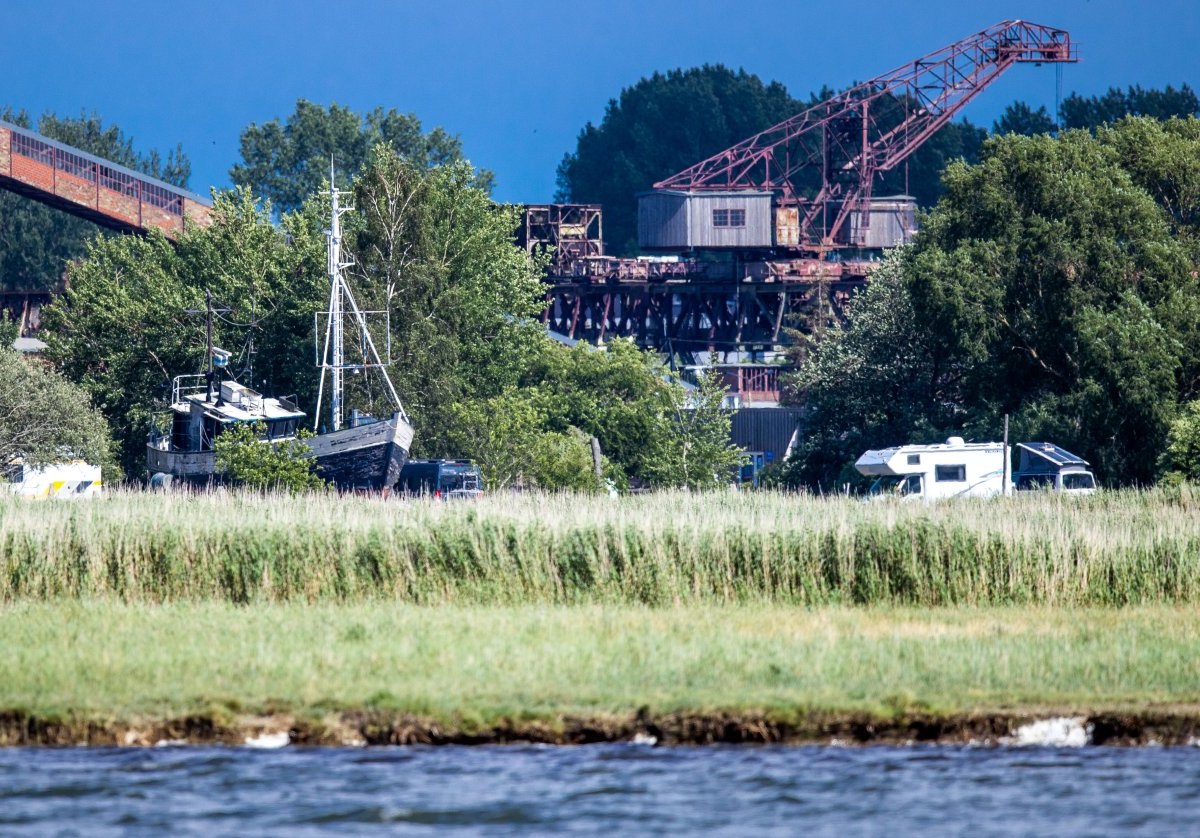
x,y
863,132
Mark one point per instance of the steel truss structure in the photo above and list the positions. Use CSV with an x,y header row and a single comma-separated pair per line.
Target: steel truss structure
x,y
681,316
869,129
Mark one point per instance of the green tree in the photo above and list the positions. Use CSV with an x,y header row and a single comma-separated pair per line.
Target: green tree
x,y
698,454
1019,118
45,419
1093,111
870,383
432,249
1163,158
1052,286
1048,283
36,241
1181,458
287,162
507,436
282,465
122,331
618,394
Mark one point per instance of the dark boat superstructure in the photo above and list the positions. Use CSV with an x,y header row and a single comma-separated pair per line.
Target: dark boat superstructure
x,y
367,453
358,452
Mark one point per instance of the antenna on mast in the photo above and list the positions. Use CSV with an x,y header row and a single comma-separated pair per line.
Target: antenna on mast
x,y
333,353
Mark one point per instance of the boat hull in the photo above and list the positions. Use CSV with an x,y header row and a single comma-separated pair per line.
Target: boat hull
x,y
369,456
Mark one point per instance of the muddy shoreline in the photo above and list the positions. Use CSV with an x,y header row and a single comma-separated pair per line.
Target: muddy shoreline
x,y
355,729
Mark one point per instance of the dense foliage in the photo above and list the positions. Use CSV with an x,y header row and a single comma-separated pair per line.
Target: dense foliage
x,y
282,466
36,241
435,255
287,161
1055,281
123,329
44,418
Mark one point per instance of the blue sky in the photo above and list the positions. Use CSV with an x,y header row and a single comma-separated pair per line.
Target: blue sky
x,y
516,80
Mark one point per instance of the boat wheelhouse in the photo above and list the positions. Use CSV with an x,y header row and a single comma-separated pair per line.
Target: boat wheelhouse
x,y
200,413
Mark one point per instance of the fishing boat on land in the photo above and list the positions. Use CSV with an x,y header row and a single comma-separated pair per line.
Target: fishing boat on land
x,y
353,452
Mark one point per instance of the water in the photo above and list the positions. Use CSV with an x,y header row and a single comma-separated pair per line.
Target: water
x,y
610,789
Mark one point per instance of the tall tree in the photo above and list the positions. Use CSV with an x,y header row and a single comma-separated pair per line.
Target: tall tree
x,y
870,383
432,249
1055,281
286,162
29,392
1019,118
36,241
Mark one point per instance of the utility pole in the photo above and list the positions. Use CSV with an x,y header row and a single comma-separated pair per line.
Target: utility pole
x,y
1007,466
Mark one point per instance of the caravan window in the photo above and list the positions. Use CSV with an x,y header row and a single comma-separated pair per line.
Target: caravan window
x,y
950,474
914,459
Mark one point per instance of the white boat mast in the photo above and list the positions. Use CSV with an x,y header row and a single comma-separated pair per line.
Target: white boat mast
x,y
333,355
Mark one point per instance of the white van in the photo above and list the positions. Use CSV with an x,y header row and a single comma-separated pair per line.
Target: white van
x,y
1047,467
954,469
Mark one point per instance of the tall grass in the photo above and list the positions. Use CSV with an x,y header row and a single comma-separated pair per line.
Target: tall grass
x,y
1110,549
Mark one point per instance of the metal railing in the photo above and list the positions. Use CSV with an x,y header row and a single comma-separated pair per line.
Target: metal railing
x,y
102,173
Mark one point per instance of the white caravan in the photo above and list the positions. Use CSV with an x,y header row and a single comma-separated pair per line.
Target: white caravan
x,y
59,480
955,469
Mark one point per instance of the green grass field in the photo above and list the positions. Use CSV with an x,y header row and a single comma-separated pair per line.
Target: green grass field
x,y
482,663
537,607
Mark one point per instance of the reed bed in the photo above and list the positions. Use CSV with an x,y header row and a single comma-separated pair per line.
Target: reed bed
x,y
666,549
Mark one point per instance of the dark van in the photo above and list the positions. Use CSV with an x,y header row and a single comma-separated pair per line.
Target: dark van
x,y
440,479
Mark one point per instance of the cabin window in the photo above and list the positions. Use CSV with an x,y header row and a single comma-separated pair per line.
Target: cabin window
x,y
729,218
914,459
950,474
1078,480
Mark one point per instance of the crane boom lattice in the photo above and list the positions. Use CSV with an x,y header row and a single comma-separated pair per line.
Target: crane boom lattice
x,y
849,139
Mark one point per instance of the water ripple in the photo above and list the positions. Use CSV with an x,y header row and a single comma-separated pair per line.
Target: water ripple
x,y
525,790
